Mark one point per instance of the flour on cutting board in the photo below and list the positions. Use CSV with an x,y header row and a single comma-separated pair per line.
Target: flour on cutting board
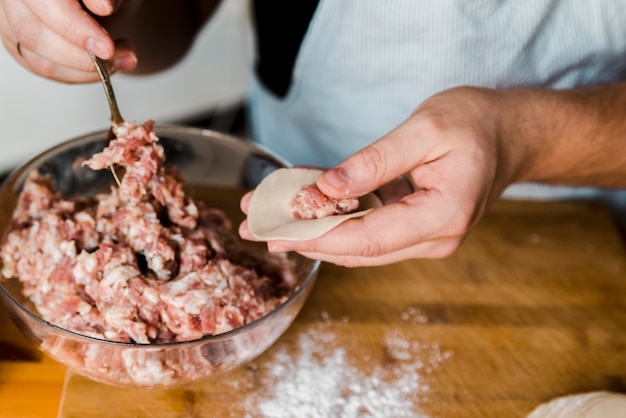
x,y
319,378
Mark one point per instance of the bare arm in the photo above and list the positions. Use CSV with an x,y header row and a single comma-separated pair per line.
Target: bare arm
x,y
573,137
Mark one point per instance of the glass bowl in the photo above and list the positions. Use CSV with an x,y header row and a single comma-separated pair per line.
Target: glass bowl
x,y
217,169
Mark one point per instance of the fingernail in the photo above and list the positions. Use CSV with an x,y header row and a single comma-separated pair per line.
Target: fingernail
x,y
98,47
107,7
337,179
125,62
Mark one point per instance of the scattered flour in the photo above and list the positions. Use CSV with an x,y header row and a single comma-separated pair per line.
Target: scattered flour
x,y
317,378
414,315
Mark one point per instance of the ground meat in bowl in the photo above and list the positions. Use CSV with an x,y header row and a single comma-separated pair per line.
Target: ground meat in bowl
x,y
142,263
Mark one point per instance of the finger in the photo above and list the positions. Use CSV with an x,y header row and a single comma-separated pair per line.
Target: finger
x,y
11,47
56,58
244,232
422,216
101,7
125,8
378,163
40,66
244,203
66,19
436,249
374,229
124,58
8,39
54,71
48,54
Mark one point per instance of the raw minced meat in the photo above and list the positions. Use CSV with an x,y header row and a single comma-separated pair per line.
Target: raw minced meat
x,y
141,263
311,203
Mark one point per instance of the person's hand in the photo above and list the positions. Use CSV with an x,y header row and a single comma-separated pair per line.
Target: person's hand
x,y
51,38
451,150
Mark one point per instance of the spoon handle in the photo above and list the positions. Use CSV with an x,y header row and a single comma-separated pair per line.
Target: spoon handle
x,y
116,117
100,64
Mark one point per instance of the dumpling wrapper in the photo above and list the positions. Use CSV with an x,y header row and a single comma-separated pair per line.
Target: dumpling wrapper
x,y
271,218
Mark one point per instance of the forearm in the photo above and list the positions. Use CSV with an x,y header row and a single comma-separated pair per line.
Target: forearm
x,y
571,137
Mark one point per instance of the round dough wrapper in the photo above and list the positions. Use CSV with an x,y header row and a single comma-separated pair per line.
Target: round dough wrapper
x,y
587,405
269,214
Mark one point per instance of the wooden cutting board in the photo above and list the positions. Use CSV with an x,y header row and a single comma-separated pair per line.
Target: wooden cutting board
x,y
532,307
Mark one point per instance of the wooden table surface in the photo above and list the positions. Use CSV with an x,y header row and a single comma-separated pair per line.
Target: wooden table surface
x,y
532,307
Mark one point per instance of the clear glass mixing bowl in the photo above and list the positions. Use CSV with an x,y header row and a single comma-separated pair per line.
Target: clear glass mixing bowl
x,y
219,169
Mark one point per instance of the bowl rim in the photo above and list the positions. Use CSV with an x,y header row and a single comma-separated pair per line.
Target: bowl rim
x,y
194,130
20,170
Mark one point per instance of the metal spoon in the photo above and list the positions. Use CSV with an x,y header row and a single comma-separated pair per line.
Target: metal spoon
x,y
116,117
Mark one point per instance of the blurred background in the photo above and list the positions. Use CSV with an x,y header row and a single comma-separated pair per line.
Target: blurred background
x,y
206,89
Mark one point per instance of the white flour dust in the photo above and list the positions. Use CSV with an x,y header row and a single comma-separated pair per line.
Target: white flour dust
x,y
319,378
414,315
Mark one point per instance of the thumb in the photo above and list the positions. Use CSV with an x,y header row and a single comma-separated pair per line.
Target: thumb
x,y
375,165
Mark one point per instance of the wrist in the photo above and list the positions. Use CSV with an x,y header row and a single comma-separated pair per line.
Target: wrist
x,y
509,121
